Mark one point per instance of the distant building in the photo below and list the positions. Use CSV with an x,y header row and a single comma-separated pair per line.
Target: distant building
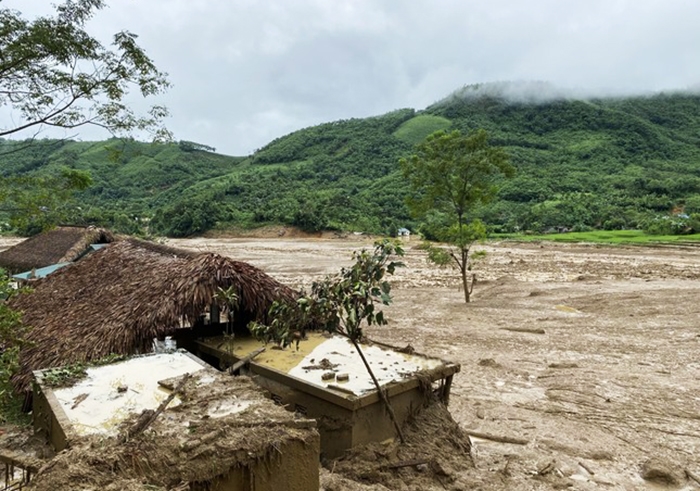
x,y
404,232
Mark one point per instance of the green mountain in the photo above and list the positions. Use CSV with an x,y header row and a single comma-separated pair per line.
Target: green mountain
x,y
582,163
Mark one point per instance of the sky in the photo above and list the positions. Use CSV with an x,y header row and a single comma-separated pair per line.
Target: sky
x,y
244,72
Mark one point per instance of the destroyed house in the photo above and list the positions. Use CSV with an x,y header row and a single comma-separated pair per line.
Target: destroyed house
x,y
327,381
169,421
121,297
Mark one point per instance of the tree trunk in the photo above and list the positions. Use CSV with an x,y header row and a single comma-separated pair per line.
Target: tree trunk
x,y
463,269
382,394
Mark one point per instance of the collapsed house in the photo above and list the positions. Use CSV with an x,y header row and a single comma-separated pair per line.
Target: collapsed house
x,y
164,421
118,299
325,379
60,245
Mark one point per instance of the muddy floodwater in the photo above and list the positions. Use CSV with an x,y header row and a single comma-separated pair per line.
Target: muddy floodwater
x,y
612,382
603,386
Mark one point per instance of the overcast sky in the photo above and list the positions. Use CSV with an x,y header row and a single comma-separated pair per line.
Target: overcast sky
x,y
245,72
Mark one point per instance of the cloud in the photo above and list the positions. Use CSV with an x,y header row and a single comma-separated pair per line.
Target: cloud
x,y
245,72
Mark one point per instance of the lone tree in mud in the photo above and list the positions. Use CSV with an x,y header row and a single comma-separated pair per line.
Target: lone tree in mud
x,y
450,174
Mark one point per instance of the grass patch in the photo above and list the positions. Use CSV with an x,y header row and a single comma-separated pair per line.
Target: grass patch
x,y
416,129
606,237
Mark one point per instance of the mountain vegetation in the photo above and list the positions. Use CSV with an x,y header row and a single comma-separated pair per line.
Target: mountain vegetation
x,y
581,164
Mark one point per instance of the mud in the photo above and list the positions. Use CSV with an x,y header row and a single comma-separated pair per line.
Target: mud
x,y
613,381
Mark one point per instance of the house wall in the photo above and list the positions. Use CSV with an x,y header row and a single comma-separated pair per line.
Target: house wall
x,y
292,467
45,419
342,429
335,423
372,423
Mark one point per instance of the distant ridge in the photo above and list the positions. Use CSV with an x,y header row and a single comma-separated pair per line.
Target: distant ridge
x,y
582,162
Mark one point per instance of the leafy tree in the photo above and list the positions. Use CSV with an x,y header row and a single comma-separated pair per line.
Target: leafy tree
x,y
37,203
189,146
347,300
452,173
341,304
288,322
53,73
12,338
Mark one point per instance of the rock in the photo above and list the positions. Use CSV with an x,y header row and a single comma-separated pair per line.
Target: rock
x,y
480,413
662,471
441,468
488,362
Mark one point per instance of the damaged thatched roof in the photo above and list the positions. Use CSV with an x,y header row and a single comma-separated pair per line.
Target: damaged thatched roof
x,y
122,296
59,245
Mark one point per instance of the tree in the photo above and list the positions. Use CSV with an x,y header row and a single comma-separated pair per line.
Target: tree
x,y
188,146
340,305
53,73
12,338
347,300
452,173
36,203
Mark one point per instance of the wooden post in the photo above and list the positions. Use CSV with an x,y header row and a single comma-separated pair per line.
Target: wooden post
x,y
214,314
445,396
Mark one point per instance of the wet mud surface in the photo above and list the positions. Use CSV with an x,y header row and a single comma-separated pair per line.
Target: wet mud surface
x,y
612,382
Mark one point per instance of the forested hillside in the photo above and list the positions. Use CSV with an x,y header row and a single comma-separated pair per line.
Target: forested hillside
x,y
596,163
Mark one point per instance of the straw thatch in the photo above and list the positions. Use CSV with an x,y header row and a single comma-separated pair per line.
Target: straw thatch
x,y
59,245
121,297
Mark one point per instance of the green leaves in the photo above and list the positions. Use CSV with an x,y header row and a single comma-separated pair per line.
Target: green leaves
x,y
451,172
12,338
449,175
350,297
338,304
35,203
53,73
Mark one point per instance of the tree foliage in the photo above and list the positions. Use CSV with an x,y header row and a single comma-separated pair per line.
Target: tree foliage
x,y
12,338
453,173
54,73
35,203
341,304
348,300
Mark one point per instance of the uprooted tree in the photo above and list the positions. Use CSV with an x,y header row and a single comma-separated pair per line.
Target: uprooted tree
x,y
451,173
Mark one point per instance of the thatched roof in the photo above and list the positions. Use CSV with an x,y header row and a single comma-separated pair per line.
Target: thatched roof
x,y
121,297
59,245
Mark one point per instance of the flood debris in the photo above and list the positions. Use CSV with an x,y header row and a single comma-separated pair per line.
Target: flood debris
x,y
223,434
